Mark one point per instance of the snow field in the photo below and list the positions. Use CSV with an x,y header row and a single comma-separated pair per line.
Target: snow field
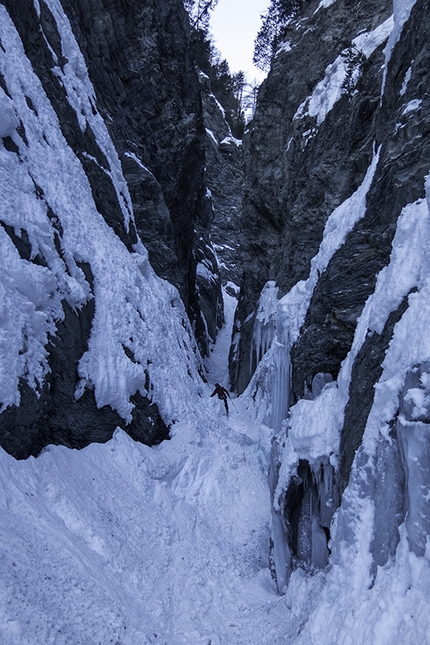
x,y
120,542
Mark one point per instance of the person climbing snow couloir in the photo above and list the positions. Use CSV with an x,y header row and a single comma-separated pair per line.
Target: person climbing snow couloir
x,y
222,394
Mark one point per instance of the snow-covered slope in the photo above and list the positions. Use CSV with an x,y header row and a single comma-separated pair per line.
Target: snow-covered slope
x,y
121,543
128,544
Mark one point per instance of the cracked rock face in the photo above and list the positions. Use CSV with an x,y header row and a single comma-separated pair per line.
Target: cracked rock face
x,y
224,166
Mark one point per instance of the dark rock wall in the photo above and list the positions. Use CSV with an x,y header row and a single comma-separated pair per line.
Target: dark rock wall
x,y
294,181
298,172
148,92
404,162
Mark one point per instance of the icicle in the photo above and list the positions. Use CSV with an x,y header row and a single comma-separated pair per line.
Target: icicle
x,y
265,323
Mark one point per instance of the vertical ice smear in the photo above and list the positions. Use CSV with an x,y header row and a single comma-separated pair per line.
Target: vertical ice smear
x,y
136,313
404,382
81,96
390,597
402,11
383,598
408,268
294,305
413,428
314,423
271,381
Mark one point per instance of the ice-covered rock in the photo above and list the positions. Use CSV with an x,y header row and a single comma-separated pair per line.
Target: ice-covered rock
x,y
84,317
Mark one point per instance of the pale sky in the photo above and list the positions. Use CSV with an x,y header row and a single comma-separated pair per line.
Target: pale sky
x,y
234,25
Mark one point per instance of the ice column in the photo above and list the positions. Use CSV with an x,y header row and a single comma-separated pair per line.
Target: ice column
x,y
265,323
269,342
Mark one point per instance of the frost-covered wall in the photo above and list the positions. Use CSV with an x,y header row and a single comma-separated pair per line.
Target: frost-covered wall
x,y
84,319
337,201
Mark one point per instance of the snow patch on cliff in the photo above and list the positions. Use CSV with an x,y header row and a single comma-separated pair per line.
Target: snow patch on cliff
x,y
402,11
293,306
324,4
269,388
346,69
412,106
82,98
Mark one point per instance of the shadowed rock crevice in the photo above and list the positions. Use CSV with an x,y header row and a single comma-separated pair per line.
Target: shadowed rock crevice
x,y
308,505
299,170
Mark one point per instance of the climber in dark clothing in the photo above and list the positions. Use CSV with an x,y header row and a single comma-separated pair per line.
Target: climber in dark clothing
x,y
222,394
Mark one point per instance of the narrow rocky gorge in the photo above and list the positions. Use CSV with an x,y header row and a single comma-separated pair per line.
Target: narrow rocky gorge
x,y
128,206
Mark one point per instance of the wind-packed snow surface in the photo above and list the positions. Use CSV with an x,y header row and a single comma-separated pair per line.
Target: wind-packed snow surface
x,y
124,544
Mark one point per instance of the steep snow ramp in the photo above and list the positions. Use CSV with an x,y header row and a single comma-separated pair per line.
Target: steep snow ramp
x,y
128,544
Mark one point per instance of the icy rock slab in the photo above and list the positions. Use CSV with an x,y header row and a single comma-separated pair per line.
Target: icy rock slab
x,y
8,119
319,382
387,483
413,427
